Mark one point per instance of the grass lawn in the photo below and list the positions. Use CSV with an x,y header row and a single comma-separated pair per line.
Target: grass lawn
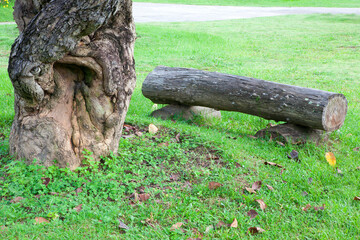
x,y
266,3
317,51
6,10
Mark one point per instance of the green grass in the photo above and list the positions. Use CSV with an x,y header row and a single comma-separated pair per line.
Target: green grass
x,y
6,11
318,51
266,3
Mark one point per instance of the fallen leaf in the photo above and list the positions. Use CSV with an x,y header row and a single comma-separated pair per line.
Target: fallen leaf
x,y
282,171
41,220
17,199
307,207
294,155
273,164
110,199
357,168
214,185
238,165
54,193
262,204
256,185
149,223
139,134
280,143
46,181
220,224
234,224
78,190
174,177
122,225
253,137
78,208
330,157
153,129
208,229
252,213
338,171
356,198
270,187
310,180
319,208
255,230
356,149
304,193
176,226
250,190
165,144
143,197
177,137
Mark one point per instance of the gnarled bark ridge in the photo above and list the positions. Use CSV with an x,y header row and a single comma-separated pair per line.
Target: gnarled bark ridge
x,y
73,72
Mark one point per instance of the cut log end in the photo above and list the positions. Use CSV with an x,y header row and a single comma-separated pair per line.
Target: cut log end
x,y
334,113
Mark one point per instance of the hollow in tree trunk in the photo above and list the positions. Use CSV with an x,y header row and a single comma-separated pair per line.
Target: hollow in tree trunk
x,y
73,72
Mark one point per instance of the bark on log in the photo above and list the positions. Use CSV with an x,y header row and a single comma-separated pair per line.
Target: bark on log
x,y
302,106
73,72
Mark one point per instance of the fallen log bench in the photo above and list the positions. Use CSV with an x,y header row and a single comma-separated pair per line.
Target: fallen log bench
x,y
310,108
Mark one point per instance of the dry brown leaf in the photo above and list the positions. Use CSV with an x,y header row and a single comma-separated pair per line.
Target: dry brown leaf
x,y
255,230
78,208
143,197
356,198
262,204
153,129
17,199
304,193
273,164
307,207
165,144
208,229
330,157
270,187
78,190
122,225
177,137
214,185
294,155
176,226
234,224
320,208
280,143
250,190
252,213
256,185
220,224
41,220
46,181
356,149
139,134
310,180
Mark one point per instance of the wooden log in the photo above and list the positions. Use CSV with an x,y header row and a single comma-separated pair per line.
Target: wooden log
x,y
280,102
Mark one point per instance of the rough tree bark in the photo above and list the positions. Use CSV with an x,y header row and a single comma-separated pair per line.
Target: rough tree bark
x,y
73,72
302,106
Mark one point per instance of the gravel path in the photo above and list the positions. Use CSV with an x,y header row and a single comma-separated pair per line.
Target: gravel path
x,y
156,12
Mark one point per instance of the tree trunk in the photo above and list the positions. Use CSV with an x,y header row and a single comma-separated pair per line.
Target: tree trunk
x,y
303,106
73,72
